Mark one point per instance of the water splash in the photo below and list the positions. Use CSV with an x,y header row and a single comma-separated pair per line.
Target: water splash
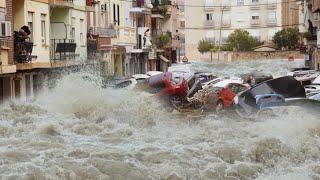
x,y
80,131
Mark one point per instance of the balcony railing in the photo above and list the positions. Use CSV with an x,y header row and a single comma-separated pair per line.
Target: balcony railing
x,y
209,7
104,32
272,21
61,3
22,49
272,4
255,22
209,23
255,6
62,49
226,23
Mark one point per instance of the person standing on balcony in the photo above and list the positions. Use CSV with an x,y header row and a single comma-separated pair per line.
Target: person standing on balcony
x,y
310,28
145,36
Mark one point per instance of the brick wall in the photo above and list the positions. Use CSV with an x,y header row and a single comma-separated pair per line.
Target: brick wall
x,y
10,40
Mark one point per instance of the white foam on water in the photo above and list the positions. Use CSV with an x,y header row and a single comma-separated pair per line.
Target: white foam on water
x,y
80,131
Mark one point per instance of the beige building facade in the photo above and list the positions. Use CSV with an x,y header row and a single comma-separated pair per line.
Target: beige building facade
x,y
215,20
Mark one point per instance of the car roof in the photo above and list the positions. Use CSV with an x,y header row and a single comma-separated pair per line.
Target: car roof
x,y
140,76
225,82
152,73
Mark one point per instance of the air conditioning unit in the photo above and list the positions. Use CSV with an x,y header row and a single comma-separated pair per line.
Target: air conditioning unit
x,y
104,7
5,28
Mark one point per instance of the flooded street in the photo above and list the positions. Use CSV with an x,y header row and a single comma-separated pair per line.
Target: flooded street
x,y
79,131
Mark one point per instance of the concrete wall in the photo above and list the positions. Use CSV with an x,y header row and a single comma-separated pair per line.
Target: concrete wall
x,y
234,56
41,47
238,16
80,29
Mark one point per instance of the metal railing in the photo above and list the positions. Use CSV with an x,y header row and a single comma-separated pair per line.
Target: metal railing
x,y
209,23
106,32
62,49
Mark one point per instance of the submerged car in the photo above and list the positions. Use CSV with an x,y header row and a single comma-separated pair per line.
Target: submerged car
x,y
305,77
313,88
272,93
172,87
256,77
221,94
205,77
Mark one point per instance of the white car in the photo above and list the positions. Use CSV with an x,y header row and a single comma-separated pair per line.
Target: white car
x,y
313,88
211,82
153,73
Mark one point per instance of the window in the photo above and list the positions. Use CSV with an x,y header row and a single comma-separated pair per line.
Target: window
x,y
272,17
182,24
240,2
255,1
81,31
2,14
209,17
73,29
30,24
43,29
255,16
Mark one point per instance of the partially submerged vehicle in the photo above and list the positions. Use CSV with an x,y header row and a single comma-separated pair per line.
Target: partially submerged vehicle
x,y
205,77
313,88
220,95
173,88
305,77
268,95
256,77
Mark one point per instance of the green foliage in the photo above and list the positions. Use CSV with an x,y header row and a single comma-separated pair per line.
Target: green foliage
x,y
165,39
241,40
204,46
287,38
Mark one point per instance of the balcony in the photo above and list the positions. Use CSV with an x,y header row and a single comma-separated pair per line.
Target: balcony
x,y
255,22
208,7
98,44
23,50
272,4
143,42
226,23
5,67
272,22
61,3
255,6
62,49
104,32
209,23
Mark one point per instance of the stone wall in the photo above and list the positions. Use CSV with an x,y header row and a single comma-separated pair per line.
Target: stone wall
x,y
234,56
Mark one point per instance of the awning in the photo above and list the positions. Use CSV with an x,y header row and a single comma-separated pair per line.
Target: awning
x,y
157,16
164,59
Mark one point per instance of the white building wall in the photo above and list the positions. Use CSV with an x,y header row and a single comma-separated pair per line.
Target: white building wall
x,y
237,16
41,45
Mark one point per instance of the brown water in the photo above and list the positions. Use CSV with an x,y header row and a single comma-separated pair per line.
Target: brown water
x,y
78,131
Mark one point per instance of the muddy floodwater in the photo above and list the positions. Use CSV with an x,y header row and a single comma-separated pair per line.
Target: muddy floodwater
x,y
78,131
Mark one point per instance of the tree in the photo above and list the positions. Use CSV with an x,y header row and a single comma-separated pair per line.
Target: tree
x,y
287,38
204,47
241,40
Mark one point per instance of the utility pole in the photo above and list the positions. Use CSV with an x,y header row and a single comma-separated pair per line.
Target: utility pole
x,y
221,18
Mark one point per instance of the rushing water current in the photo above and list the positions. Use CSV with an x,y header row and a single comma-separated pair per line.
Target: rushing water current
x,y
79,131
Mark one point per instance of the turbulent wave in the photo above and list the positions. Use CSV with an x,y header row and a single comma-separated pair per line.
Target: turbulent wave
x,y
80,131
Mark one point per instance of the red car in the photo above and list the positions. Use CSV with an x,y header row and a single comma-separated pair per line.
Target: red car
x,y
173,87
221,94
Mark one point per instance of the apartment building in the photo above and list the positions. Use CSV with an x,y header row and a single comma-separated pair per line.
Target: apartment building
x,y
311,9
7,67
57,40
215,20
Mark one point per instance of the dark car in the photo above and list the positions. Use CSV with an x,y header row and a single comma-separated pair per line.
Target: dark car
x,y
268,94
205,77
256,77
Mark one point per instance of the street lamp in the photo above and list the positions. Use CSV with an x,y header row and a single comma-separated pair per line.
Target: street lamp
x,y
222,10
